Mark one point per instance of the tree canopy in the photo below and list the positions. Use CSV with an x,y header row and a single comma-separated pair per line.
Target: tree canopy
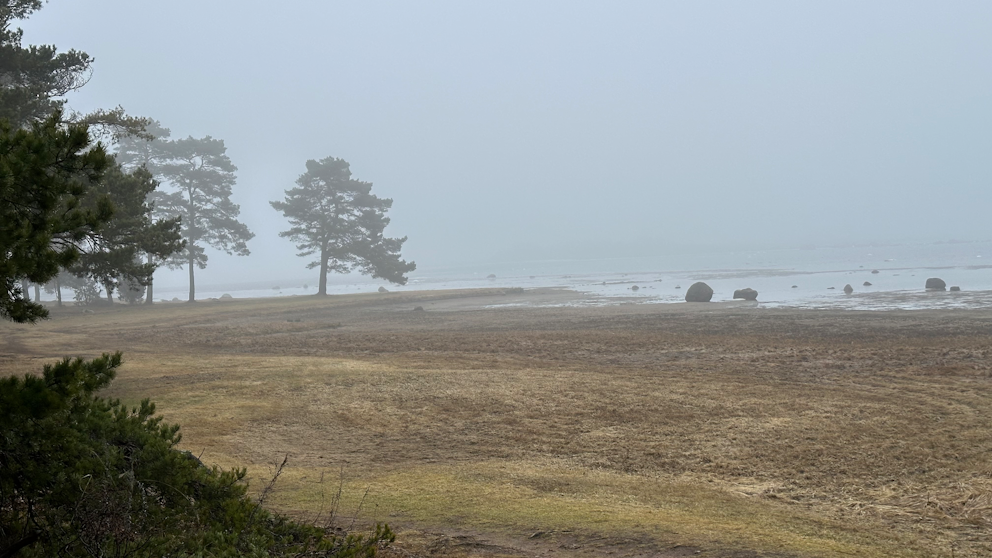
x,y
340,220
201,176
113,258
45,172
33,79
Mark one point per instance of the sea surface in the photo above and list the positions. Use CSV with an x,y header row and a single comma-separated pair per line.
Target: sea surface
x,y
784,278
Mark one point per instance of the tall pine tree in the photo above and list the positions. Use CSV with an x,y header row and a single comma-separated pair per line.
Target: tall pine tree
x,y
113,258
202,176
340,220
148,151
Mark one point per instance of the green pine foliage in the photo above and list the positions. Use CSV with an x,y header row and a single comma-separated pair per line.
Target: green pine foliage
x,y
34,78
46,170
114,257
85,476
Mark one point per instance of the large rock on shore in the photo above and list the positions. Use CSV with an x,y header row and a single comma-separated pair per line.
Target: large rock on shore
x,y
699,292
746,294
936,284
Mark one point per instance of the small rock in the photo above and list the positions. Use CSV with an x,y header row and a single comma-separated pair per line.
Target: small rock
x,y
936,284
418,309
830,288
491,276
699,292
867,284
955,289
874,272
678,286
795,286
848,289
635,288
383,290
226,296
746,294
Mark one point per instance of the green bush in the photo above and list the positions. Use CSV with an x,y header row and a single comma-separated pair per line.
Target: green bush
x,y
85,476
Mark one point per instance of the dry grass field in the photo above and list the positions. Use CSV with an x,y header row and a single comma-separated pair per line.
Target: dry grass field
x,y
482,428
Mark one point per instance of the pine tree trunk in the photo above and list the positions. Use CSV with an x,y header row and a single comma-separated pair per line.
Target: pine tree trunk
x,y
192,282
148,291
322,284
191,214
58,291
37,292
25,291
110,293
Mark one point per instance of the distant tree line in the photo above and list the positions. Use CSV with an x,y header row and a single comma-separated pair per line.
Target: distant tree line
x,y
140,200
85,476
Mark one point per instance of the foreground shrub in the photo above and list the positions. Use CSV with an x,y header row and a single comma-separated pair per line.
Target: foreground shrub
x,y
85,476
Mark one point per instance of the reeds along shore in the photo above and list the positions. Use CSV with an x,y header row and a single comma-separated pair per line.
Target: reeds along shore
x,y
625,429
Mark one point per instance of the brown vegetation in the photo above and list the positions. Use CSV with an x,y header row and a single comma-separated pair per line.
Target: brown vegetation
x,y
713,430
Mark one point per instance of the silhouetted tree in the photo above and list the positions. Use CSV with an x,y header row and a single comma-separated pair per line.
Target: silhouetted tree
x,y
339,219
113,257
202,176
148,151
35,79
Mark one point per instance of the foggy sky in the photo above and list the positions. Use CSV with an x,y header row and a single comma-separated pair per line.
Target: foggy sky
x,y
564,129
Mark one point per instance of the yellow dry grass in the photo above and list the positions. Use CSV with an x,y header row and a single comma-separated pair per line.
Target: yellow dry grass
x,y
630,430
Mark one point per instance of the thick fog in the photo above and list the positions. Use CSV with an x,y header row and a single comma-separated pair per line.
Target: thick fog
x,y
517,131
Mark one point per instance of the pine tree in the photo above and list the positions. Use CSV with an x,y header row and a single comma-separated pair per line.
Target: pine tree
x,y
113,257
148,151
202,176
45,173
85,476
339,219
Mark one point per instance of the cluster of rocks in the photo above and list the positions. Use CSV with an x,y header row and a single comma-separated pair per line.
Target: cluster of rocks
x,y
937,284
701,292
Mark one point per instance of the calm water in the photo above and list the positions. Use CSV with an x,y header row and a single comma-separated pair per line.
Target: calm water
x,y
783,278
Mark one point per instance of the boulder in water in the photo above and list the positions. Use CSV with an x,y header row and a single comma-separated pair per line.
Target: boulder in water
x,y
936,284
867,284
699,292
955,289
226,296
848,289
491,276
874,272
635,288
746,294
795,286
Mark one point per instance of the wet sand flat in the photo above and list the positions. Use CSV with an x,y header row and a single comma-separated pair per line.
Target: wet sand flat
x,y
494,423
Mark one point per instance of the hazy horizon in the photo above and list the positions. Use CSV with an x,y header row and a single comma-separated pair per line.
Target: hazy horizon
x,y
564,130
